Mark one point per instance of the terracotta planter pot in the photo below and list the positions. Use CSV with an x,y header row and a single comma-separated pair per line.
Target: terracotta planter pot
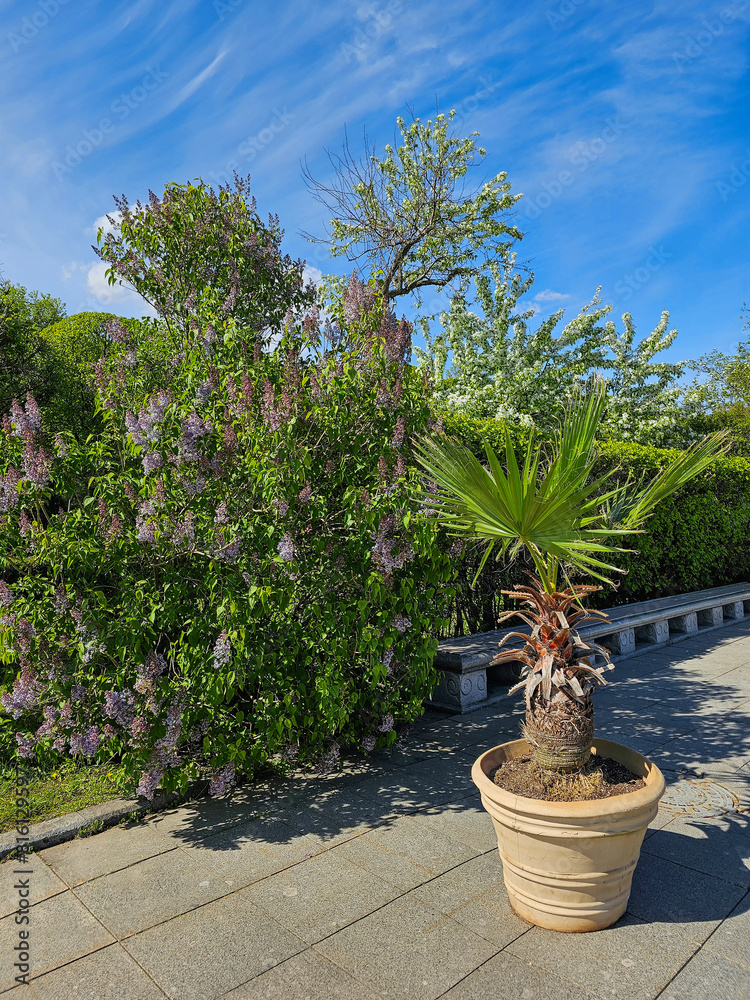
x,y
568,866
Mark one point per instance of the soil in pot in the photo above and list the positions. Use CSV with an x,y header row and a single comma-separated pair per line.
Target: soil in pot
x,y
599,779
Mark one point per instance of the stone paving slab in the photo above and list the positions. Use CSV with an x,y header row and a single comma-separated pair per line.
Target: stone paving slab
x,y
718,847
407,949
708,977
78,861
370,854
507,976
109,974
149,893
207,952
664,891
248,853
473,894
42,882
320,896
634,959
464,821
424,847
303,977
420,786
61,930
384,881
731,940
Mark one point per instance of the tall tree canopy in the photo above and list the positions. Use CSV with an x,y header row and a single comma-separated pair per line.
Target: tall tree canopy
x,y
410,218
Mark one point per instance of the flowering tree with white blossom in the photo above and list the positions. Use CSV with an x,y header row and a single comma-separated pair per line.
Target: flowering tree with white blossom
x,y
237,568
491,363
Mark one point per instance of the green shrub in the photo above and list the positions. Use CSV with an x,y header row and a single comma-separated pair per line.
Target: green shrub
x,y
237,567
696,539
26,364
76,343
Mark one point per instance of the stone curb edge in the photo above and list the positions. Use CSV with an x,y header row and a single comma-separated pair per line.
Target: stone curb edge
x,y
58,829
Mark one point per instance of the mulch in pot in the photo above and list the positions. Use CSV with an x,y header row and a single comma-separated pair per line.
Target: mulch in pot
x,y
599,779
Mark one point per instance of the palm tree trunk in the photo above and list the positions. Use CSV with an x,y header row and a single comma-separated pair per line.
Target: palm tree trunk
x,y
560,732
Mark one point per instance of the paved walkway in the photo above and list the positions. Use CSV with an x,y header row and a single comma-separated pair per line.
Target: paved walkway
x,y
384,881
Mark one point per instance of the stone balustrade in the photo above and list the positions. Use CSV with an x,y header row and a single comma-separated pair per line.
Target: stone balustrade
x,y
468,681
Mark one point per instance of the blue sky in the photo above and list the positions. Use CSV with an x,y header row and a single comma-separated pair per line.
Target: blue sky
x,y
625,124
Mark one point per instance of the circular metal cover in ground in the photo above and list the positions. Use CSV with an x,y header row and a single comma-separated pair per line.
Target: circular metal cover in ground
x,y
688,795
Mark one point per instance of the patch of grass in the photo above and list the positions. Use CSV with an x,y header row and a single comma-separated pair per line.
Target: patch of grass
x,y
56,792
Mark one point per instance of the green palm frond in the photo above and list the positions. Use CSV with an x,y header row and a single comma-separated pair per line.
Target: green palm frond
x,y
554,511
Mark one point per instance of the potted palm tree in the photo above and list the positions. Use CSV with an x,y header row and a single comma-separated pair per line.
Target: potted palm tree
x,y
568,865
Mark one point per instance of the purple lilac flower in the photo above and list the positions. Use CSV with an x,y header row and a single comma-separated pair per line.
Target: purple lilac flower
x,y
203,393
194,429
149,783
222,517
269,410
36,464
282,507
386,723
285,548
9,490
165,749
91,648
358,300
227,552
387,553
399,433
25,632
146,428
149,671
146,531
305,493
140,729
368,743
152,462
25,526
120,706
26,421
66,715
116,331
6,595
222,650
222,780
61,446
329,761
290,753
184,530
26,745
192,488
387,660
401,622
92,741
77,692
44,730
24,696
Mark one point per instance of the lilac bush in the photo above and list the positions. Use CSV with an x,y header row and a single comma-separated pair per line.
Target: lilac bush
x,y
237,568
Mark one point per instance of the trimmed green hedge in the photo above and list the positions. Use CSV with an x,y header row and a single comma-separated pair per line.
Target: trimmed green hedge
x,y
76,343
698,538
